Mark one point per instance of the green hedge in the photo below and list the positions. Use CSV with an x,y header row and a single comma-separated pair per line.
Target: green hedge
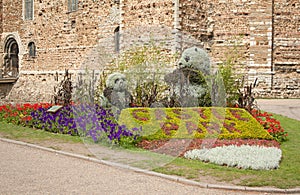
x,y
197,122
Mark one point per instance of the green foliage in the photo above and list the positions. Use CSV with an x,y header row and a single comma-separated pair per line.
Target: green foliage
x,y
286,177
100,88
231,80
85,87
206,122
144,68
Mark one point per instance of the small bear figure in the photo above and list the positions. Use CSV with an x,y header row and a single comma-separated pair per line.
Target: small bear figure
x,y
116,92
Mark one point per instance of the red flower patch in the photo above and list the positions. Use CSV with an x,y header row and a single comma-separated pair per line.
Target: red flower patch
x,y
167,127
139,114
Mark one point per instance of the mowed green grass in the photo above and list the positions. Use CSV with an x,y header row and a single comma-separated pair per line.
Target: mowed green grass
x,y
30,135
287,176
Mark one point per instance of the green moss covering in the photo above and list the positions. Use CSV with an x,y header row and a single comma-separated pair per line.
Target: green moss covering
x,y
196,122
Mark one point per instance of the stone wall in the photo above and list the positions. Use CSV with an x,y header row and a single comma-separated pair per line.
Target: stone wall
x,y
147,21
286,53
63,39
262,38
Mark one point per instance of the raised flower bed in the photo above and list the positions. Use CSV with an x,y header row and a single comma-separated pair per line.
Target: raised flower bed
x,y
207,122
223,136
195,133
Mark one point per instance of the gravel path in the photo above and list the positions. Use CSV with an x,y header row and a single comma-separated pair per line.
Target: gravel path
x,y
27,170
285,107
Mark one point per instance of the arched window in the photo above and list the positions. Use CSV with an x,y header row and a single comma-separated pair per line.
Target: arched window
x,y
10,67
117,39
32,49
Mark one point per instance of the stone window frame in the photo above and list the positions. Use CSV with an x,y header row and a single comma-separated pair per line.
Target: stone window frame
x,y
31,49
9,70
28,9
117,39
72,5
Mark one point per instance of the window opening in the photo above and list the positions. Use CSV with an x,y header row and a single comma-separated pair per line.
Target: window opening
x,y
28,9
72,5
32,49
10,64
117,39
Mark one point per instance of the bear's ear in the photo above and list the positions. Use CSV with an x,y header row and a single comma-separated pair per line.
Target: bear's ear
x,y
196,49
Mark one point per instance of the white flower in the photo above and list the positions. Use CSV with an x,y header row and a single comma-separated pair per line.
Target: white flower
x,y
245,156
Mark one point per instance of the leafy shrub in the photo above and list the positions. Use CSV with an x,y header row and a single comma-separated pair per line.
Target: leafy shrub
x,y
232,82
63,92
144,67
271,125
244,156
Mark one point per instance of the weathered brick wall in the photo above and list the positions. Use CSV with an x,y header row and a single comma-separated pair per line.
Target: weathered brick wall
x,y
64,40
195,23
247,31
1,17
263,37
1,25
222,27
286,64
146,21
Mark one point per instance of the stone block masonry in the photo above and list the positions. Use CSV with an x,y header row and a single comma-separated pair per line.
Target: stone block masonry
x,y
263,38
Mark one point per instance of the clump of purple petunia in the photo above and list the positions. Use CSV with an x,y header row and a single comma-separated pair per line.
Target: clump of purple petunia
x,y
85,120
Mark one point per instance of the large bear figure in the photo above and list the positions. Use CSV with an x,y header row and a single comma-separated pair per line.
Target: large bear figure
x,y
188,82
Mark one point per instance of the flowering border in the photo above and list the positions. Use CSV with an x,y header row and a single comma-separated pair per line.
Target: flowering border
x,y
197,122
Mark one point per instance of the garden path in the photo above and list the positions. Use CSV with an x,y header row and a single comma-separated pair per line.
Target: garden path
x,y
32,170
285,107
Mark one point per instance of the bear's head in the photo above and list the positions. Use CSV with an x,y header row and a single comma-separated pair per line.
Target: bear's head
x,y
117,82
195,58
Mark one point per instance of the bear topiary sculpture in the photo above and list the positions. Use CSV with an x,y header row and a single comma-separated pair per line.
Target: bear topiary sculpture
x,y
188,81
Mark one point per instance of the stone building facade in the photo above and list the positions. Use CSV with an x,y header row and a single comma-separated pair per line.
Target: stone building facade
x,y
41,37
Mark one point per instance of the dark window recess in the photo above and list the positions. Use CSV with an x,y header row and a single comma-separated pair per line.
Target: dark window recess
x,y
28,12
73,24
117,39
10,63
72,5
32,49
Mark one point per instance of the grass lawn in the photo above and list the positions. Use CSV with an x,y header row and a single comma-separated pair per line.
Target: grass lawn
x,y
287,176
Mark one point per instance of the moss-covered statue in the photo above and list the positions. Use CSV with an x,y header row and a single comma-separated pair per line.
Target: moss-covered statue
x,y
115,94
188,82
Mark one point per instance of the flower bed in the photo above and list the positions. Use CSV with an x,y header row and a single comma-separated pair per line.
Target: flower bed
x,y
271,125
207,122
85,120
19,114
196,133
178,147
244,156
